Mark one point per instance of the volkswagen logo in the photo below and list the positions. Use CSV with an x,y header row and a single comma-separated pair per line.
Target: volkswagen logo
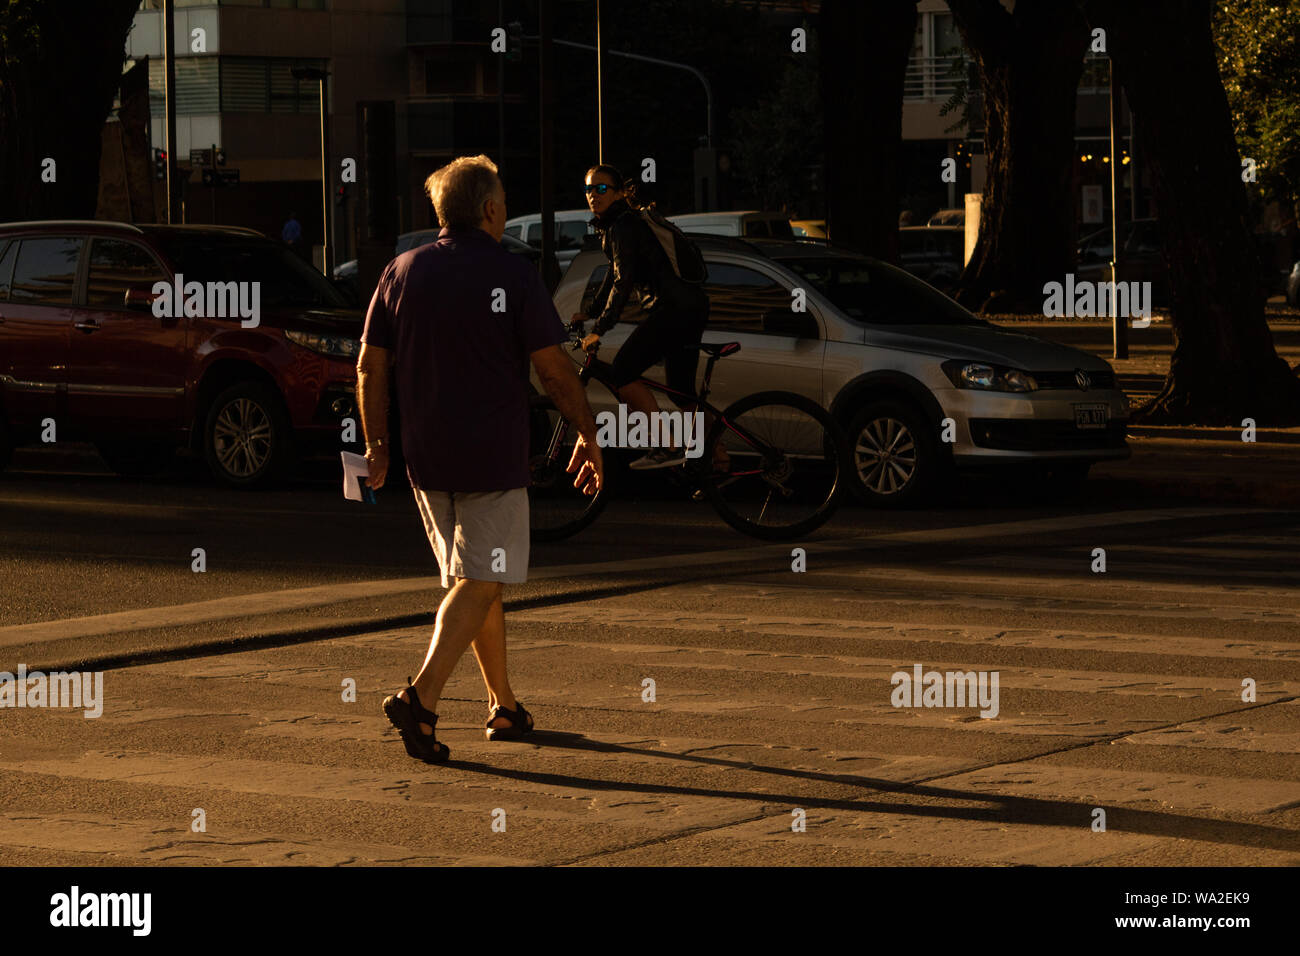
x,y
1081,377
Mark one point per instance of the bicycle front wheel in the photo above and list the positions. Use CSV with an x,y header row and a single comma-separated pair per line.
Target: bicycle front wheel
x,y
774,465
556,509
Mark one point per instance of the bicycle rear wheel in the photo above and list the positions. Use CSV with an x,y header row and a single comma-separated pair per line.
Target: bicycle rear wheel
x,y
556,509
789,462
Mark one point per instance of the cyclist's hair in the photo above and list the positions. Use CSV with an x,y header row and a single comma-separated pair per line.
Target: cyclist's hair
x,y
460,189
627,185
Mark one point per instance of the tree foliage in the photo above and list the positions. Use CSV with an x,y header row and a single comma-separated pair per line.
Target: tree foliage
x,y
1258,43
777,139
60,64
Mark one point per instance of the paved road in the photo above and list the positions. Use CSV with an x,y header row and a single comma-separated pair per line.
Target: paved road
x,y
1118,690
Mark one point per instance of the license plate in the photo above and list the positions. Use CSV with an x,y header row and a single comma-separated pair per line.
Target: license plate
x,y
1091,416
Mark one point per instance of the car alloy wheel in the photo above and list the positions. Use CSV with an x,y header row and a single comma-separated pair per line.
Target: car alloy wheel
x,y
243,437
247,436
884,454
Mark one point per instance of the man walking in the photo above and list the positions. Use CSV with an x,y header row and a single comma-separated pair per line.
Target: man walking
x,y
460,320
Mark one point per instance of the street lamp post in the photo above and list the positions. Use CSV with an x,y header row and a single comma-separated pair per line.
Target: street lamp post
x,y
308,73
169,107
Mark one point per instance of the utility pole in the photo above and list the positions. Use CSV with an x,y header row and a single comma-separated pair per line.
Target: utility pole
x,y
600,92
546,119
1119,323
501,96
305,73
169,100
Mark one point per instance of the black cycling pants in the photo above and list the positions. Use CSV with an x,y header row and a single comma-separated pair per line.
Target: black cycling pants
x,y
672,335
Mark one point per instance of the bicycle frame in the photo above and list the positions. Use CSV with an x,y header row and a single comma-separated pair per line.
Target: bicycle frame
x,y
593,368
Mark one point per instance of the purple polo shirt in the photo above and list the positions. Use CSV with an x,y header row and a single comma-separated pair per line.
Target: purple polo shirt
x,y
462,368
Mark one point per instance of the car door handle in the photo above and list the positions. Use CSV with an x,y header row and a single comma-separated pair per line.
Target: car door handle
x,y
91,326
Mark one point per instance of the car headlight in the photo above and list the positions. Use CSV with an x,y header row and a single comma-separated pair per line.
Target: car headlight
x,y
994,378
335,346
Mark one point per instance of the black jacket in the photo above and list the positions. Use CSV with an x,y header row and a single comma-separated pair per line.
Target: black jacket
x,y
637,264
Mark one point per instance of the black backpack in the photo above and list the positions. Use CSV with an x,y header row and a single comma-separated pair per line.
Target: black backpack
x,y
683,255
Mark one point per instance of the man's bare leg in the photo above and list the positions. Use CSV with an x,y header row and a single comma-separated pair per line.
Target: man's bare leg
x,y
490,652
461,617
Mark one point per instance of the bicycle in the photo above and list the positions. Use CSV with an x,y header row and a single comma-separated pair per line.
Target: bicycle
x,y
773,464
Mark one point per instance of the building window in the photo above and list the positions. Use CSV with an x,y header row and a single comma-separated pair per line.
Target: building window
x,y
196,85
267,85
450,76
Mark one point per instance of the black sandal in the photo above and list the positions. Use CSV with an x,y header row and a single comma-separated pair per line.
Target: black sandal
x,y
520,724
407,716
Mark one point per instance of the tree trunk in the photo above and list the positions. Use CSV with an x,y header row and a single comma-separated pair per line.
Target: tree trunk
x,y
1224,367
1029,65
864,51
60,64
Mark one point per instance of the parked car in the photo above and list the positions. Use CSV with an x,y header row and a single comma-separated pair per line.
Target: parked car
x,y
948,217
345,275
936,254
570,226
81,346
923,387
808,228
1141,257
747,223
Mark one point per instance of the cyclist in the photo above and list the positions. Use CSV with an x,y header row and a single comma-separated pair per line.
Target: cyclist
x,y
676,310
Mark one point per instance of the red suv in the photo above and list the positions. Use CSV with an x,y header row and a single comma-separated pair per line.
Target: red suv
x,y
85,347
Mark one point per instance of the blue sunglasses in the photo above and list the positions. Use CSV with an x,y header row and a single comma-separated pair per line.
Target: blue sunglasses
x,y
598,188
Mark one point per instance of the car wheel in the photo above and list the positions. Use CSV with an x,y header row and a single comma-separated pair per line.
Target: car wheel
x,y
896,458
247,437
135,458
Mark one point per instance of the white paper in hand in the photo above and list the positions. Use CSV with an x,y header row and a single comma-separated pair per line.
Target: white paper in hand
x,y
354,469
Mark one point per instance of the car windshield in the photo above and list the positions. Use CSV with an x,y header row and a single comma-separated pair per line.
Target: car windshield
x,y
877,293
285,279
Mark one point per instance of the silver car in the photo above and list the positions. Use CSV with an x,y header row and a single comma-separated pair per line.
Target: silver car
x,y
923,387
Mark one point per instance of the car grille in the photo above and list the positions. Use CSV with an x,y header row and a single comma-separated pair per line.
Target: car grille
x,y
1067,380
1017,434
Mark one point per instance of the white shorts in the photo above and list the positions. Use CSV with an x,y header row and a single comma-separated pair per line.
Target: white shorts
x,y
481,535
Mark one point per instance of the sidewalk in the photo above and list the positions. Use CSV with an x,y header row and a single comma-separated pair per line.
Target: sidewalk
x,y
1211,465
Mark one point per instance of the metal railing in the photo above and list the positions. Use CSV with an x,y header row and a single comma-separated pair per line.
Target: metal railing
x,y
933,77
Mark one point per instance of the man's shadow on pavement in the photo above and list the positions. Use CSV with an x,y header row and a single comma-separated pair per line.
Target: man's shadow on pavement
x,y
999,809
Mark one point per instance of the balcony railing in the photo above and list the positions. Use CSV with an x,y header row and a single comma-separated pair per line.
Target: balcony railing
x,y
933,77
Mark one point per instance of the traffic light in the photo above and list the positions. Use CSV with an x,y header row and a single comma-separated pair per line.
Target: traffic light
x,y
219,157
159,163
341,194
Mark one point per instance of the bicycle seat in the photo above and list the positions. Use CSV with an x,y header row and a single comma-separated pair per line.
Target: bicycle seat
x,y
719,348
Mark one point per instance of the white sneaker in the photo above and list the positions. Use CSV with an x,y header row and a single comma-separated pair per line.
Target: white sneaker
x,y
659,458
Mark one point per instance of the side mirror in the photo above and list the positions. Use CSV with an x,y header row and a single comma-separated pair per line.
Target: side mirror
x,y
141,298
800,325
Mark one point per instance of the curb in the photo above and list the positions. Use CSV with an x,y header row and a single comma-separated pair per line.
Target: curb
x,y
1264,436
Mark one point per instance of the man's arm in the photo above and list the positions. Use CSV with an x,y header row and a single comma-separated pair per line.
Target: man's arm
x,y
372,399
560,381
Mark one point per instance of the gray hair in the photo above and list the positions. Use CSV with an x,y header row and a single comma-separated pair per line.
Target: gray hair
x,y
460,189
